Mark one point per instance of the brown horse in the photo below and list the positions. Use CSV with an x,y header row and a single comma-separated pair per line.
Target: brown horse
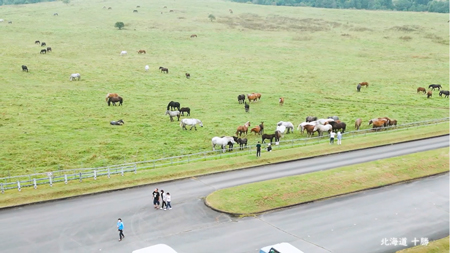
x,y
429,94
364,84
421,89
258,95
142,52
258,129
188,75
252,97
281,101
243,129
358,124
164,70
309,130
336,126
393,122
194,36
385,119
378,124
111,95
114,100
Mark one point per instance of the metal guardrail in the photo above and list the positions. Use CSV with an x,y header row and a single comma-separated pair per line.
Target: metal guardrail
x,y
49,178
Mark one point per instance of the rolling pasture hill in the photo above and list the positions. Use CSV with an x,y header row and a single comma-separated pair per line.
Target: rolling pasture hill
x,y
314,58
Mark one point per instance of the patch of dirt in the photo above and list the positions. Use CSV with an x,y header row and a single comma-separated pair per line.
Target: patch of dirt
x,y
406,28
361,29
405,38
276,23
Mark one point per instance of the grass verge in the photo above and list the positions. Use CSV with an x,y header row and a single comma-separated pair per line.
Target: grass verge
x,y
263,196
60,190
438,246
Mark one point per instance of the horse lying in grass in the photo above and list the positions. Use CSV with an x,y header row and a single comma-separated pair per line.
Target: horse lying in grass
x,y
117,123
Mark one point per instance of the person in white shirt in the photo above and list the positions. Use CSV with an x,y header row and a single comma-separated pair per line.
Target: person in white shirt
x,y
167,199
332,134
339,138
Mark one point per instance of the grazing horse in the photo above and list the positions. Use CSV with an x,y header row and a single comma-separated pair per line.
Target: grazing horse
x,y
267,137
258,129
281,101
393,122
194,36
435,86
378,125
323,128
111,95
164,70
338,126
289,126
242,142
429,94
358,87
185,109
421,89
333,117
252,97
142,52
358,123
75,76
241,98
258,95
43,51
173,114
243,129
190,122
24,68
117,123
445,92
222,141
55,14
384,119
135,11
37,42
281,129
114,100
365,84
310,130
123,53
49,49
173,105
187,75
43,44
310,119
301,126
247,107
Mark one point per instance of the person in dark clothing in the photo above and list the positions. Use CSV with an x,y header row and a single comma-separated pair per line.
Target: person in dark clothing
x,y
156,198
163,203
269,147
258,149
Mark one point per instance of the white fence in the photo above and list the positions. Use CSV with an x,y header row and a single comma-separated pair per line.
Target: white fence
x,y
49,178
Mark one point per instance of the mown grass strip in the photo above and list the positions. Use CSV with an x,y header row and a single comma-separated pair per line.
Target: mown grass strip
x,y
263,196
89,186
438,246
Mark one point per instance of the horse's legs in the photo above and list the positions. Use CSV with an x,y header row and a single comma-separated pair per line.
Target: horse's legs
x,y
178,117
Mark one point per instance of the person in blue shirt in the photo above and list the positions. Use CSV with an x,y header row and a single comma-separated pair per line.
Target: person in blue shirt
x,y
120,228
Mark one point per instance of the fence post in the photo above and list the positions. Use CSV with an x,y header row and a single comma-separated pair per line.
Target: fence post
x,y
34,182
49,174
80,177
109,173
95,174
135,168
65,178
18,186
3,190
122,171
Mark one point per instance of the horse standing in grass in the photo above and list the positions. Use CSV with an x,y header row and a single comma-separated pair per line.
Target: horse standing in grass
x,y
247,107
365,84
25,68
241,98
111,95
289,126
358,87
190,122
173,105
164,70
75,76
281,101
338,126
301,126
243,129
114,100
252,97
258,129
310,119
222,141
323,128
309,130
142,52
358,123
435,86
185,109
421,89
173,114
429,94
444,92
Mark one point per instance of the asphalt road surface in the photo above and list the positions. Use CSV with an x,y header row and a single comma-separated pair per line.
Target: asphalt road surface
x,y
361,222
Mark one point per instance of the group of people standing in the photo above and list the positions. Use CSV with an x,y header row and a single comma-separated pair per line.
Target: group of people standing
x,y
339,137
161,200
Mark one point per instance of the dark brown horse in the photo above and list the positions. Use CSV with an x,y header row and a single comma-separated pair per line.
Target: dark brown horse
x,y
337,126
243,129
185,109
194,36
358,124
276,135
364,84
114,100
241,98
164,70
421,89
142,52
188,75
111,95
393,122
309,130
429,94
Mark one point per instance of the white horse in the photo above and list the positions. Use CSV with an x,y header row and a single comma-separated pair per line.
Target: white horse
x,y
190,122
323,121
75,76
222,141
281,129
173,114
289,126
323,128
302,125
123,53
146,68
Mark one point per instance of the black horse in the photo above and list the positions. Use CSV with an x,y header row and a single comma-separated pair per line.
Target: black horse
x,y
24,68
185,109
114,100
117,123
276,135
434,86
310,119
445,92
43,44
242,142
43,51
337,126
173,105
49,49
164,70
241,98
358,87
188,75
247,107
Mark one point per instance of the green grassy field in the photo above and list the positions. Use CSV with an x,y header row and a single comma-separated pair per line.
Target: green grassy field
x,y
438,246
312,57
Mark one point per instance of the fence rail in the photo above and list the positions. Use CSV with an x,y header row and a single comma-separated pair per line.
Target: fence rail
x,y
49,178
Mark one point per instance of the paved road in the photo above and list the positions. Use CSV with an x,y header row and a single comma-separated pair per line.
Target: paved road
x,y
352,223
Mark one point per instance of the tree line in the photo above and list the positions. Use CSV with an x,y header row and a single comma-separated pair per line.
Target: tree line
x,y
398,5
11,2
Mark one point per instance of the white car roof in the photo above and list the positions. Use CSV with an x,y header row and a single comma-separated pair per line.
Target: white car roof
x,y
283,247
158,248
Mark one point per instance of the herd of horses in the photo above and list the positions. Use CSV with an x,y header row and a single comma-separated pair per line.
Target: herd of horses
x,y
433,87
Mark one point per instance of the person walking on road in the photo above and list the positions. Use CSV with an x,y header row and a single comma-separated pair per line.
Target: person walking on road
x,y
332,134
339,138
156,198
168,199
120,229
258,149
163,200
